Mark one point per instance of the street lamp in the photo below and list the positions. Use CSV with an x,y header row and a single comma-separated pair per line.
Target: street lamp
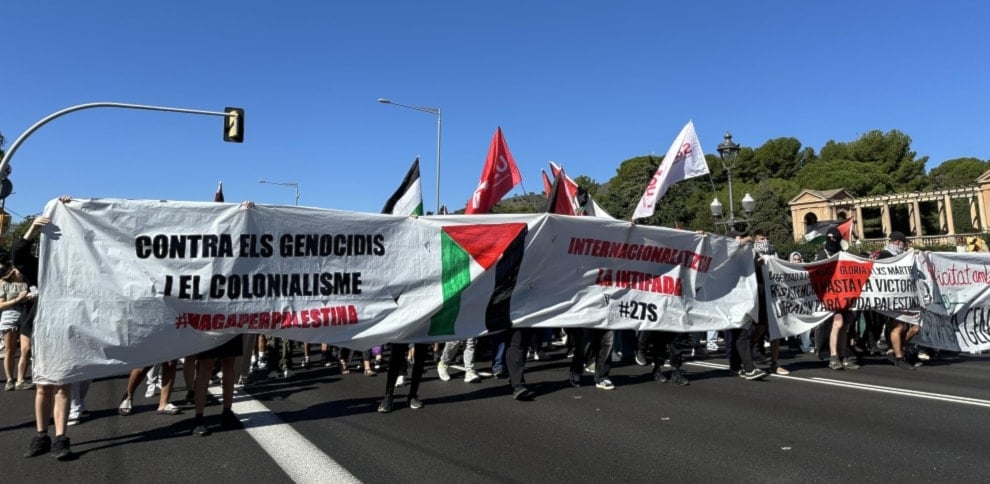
x,y
285,184
423,109
728,153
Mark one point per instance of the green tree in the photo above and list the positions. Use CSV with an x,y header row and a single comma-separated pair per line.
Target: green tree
x,y
886,160
955,173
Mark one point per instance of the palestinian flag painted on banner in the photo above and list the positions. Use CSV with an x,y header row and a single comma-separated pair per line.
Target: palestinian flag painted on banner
x,y
478,257
408,198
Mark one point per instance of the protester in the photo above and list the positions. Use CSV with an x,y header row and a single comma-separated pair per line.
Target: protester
x,y
738,340
16,298
838,340
168,378
450,352
595,345
899,333
660,346
51,402
397,363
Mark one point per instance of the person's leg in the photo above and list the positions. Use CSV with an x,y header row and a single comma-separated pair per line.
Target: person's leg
x,y
63,394
603,362
515,360
419,361
189,378
744,347
168,378
227,383
134,380
835,336
498,354
77,404
735,361
642,346
10,370
25,358
575,337
204,367
395,363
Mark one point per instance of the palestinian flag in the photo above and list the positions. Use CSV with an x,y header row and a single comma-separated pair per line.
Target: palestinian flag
x,y
408,199
479,268
816,234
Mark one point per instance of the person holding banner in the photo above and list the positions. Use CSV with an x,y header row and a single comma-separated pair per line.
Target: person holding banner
x,y
738,347
51,402
838,338
764,248
899,333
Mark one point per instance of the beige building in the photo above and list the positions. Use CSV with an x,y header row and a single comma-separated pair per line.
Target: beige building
x,y
811,207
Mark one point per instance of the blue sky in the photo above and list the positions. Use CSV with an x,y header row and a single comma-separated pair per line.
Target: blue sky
x,y
586,84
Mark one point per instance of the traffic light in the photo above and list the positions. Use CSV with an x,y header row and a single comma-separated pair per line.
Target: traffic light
x,y
233,125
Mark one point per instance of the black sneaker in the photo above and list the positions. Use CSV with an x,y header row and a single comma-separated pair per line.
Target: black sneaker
x,y
415,403
60,449
904,365
677,377
640,358
658,376
754,374
850,364
575,379
229,420
521,393
40,444
199,427
386,405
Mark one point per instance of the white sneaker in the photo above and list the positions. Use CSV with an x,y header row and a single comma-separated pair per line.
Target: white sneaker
x,y
401,380
442,371
471,377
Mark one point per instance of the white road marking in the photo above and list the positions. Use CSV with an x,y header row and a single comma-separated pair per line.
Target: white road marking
x,y
866,387
302,461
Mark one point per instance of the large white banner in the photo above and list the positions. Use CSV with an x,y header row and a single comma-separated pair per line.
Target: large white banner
x,y
959,316
802,296
127,283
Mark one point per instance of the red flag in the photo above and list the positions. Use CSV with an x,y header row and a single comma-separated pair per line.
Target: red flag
x,y
547,185
218,197
845,228
498,176
559,201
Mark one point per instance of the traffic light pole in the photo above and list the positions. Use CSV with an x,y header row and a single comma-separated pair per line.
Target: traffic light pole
x,y
79,107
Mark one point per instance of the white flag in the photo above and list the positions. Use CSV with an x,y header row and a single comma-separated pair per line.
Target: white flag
x,y
685,159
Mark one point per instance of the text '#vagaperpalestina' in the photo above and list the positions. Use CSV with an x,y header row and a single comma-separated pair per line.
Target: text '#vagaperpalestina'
x,y
183,246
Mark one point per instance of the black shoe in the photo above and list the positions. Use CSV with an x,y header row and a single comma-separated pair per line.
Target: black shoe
x,y
386,405
677,377
521,393
640,358
900,363
575,379
40,444
199,427
229,420
60,449
415,403
658,376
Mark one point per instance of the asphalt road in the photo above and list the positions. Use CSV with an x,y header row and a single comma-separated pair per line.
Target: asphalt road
x,y
875,424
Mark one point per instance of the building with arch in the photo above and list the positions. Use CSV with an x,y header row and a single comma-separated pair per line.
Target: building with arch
x,y
938,217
